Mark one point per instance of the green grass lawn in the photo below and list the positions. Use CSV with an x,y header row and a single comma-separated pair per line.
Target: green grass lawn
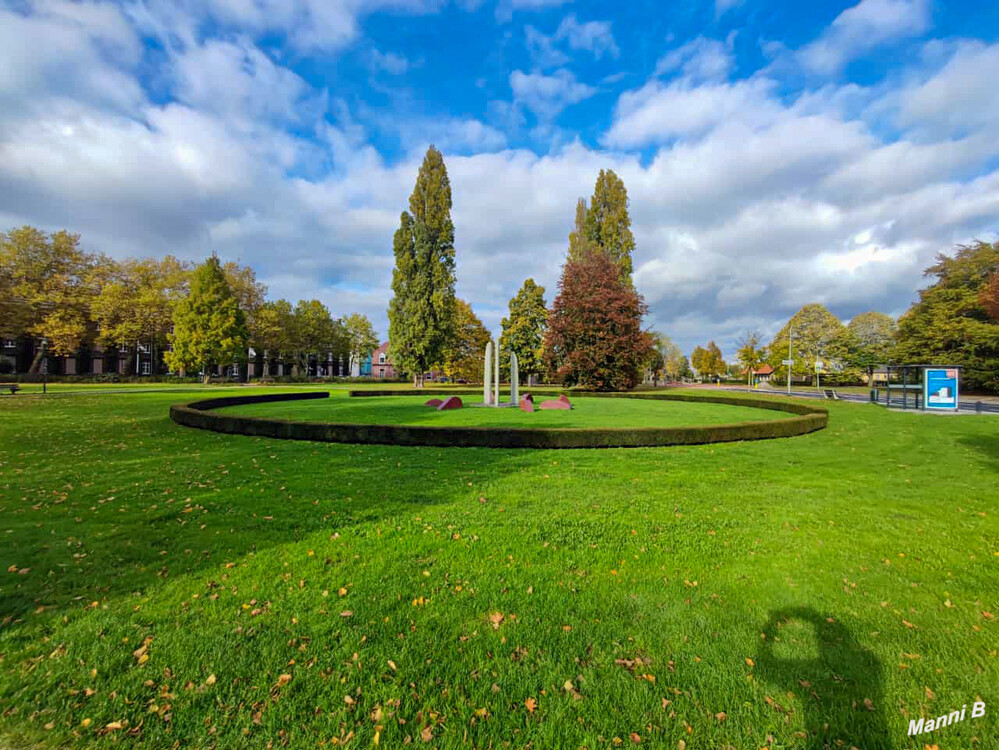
x,y
586,412
163,585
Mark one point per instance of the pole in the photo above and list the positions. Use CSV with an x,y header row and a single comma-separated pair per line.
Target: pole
x,y
789,366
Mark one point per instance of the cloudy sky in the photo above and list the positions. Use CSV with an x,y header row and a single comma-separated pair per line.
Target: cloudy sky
x,y
775,153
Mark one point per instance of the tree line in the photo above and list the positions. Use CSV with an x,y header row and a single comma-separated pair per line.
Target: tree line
x,y
955,321
591,336
197,316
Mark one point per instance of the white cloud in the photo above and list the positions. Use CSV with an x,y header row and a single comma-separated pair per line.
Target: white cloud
x,y
658,112
506,8
388,62
593,36
958,98
700,59
864,27
547,95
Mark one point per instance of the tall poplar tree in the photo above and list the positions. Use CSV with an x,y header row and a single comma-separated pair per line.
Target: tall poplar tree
x,y
209,326
524,330
422,310
607,224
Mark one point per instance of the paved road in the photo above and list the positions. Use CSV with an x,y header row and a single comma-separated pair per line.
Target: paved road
x,y
967,405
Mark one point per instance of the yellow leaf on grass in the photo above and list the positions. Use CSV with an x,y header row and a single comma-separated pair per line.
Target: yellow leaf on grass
x,y
284,680
531,705
210,680
750,662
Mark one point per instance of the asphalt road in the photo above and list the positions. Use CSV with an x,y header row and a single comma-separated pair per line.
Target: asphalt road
x,y
968,405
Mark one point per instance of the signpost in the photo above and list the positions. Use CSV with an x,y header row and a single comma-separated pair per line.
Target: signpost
x,y
940,388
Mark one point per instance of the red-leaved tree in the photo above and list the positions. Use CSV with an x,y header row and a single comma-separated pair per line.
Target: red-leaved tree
x,y
990,296
594,337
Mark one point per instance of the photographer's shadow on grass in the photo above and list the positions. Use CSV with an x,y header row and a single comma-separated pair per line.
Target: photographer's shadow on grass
x,y
834,678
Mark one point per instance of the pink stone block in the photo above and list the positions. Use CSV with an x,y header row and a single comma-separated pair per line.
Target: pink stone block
x,y
452,402
527,403
563,397
555,403
434,402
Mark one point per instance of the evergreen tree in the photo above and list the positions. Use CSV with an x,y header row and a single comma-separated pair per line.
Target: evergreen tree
x,y
209,326
595,337
421,313
524,329
990,297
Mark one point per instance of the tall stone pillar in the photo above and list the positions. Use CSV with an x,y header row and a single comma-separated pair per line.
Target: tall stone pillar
x,y
514,380
496,384
487,375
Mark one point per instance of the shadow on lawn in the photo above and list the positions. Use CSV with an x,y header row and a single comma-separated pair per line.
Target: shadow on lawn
x,y
840,691
986,445
99,547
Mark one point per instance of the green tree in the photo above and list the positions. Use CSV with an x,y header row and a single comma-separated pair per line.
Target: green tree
x,y
314,333
949,324
135,304
699,361
868,341
209,326
273,333
751,354
666,358
524,329
421,313
816,336
361,338
463,356
605,224
990,296
594,336
47,286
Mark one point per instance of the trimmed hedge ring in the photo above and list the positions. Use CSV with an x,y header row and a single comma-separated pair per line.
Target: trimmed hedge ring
x,y
804,419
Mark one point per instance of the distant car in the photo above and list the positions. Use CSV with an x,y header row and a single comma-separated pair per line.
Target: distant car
x,y
461,380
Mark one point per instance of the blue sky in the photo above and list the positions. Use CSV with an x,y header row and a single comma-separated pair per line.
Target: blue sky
x,y
775,153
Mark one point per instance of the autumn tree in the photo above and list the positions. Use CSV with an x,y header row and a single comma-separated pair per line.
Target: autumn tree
x,y
314,333
816,336
273,334
524,329
949,324
463,355
47,289
605,224
135,304
708,361
421,313
361,338
209,326
990,296
751,353
666,358
594,336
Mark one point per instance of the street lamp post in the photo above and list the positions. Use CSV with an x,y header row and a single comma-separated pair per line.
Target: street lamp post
x,y
45,365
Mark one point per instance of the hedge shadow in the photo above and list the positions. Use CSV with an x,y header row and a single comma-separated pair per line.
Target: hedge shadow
x,y
199,414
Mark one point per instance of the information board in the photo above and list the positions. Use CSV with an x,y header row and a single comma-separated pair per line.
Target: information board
x,y
940,388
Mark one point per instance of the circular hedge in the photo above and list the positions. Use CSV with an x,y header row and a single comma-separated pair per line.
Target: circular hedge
x,y
804,419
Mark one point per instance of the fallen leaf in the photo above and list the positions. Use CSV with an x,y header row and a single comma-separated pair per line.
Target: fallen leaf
x,y
868,704
284,680
750,662
531,705
636,738
427,734
210,680
346,613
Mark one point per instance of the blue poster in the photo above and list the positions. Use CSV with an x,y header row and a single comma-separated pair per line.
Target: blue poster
x,y
940,388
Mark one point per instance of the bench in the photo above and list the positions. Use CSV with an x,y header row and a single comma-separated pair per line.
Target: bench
x,y
830,393
12,387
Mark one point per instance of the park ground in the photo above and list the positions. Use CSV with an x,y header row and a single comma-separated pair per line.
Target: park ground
x,y
163,585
